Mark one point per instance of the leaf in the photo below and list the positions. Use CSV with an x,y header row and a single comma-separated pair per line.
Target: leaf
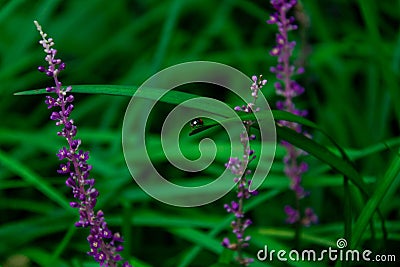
x,y
373,203
199,238
323,154
344,166
118,90
171,97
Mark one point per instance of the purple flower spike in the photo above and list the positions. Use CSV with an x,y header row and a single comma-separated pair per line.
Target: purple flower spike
x,y
288,88
76,168
238,168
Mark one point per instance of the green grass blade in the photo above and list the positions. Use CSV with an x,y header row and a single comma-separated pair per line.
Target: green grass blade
x,y
64,242
323,154
39,183
171,97
9,9
199,238
118,90
344,166
166,34
373,203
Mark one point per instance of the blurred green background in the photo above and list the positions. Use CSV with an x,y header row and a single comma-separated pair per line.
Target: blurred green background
x,y
351,53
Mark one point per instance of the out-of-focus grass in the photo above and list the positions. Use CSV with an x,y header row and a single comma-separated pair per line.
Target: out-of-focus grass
x,y
351,81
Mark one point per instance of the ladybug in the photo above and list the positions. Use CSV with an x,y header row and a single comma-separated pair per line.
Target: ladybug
x,y
197,122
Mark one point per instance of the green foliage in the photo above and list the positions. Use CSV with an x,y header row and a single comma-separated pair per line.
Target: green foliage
x,y
351,80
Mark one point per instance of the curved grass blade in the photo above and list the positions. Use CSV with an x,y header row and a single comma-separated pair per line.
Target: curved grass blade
x,y
373,203
171,97
346,187
323,154
117,90
342,165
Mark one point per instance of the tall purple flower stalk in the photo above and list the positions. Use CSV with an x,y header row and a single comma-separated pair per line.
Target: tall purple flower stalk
x,y
238,167
288,88
104,245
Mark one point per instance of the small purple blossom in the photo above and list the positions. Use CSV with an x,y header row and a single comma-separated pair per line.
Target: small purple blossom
x,y
104,245
257,85
288,88
293,215
309,217
238,167
235,165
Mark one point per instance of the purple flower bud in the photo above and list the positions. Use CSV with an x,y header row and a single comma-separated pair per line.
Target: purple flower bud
x,y
309,217
93,193
226,206
62,66
272,19
55,116
68,110
70,182
68,125
90,182
50,89
293,215
73,131
70,99
117,257
234,206
225,242
275,51
74,204
100,214
280,105
300,70
75,144
303,167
